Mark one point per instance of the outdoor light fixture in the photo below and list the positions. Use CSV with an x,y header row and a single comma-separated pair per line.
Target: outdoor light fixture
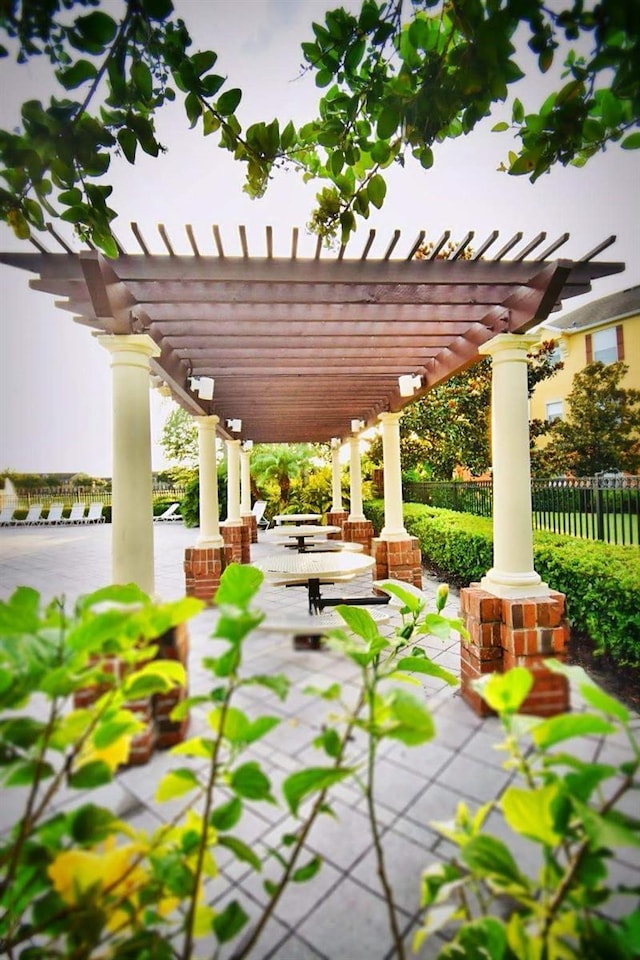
x,y
356,425
234,425
247,445
203,386
409,384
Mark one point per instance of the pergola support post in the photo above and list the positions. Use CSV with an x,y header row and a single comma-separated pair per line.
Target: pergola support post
x,y
337,516
204,564
397,554
235,534
356,528
246,513
512,617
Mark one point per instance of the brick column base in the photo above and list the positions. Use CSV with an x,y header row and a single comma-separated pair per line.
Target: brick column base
x,y
358,531
399,560
159,730
238,537
337,518
203,567
506,633
249,520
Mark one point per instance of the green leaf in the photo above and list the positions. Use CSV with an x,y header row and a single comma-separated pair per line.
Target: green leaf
x,y
566,725
91,824
377,190
311,780
175,784
227,103
141,76
308,871
506,692
359,621
330,741
194,747
112,730
227,814
76,75
203,61
157,9
90,775
250,782
491,857
277,682
532,813
238,585
411,721
610,830
428,667
603,701
241,851
388,122
499,127
412,598
24,774
97,27
229,922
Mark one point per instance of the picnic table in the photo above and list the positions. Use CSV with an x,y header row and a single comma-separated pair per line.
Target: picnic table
x,y
282,519
317,569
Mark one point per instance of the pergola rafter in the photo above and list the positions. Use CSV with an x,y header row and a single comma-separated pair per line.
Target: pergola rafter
x,y
299,347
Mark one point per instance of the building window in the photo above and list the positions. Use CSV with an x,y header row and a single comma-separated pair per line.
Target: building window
x,y
554,410
605,346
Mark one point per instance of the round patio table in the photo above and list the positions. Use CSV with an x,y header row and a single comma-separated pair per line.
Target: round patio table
x,y
285,518
300,533
313,569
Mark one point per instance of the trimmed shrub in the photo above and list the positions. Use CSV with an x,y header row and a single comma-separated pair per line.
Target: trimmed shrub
x,y
600,581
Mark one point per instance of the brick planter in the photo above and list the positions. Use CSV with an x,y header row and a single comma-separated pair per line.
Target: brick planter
x,y
358,531
506,633
398,560
203,567
249,520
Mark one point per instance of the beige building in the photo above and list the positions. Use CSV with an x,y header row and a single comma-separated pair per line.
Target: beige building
x,y
607,330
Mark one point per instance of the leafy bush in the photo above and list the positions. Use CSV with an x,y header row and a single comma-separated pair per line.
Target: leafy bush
x,y
190,503
600,581
570,809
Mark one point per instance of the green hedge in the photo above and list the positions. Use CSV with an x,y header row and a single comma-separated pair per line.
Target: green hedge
x,y
601,581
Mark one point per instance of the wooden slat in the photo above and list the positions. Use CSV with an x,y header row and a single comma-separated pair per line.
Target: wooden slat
x,y
416,244
596,250
516,238
242,230
192,239
56,236
562,239
218,240
493,236
392,245
439,245
464,243
135,230
368,244
294,243
165,239
531,246
269,239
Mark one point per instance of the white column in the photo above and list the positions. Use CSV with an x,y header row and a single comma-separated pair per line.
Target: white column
x,y
209,535
512,574
394,528
233,482
245,483
336,478
132,510
355,480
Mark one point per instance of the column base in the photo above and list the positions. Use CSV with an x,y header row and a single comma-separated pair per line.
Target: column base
x,y
203,569
337,518
398,560
237,536
508,632
249,520
358,531
514,586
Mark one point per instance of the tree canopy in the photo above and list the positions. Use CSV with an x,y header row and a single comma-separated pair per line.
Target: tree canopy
x,y
396,83
601,430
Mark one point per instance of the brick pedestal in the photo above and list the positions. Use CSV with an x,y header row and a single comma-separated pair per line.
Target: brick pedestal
x,y
506,633
238,538
398,560
358,531
154,711
337,518
203,567
250,521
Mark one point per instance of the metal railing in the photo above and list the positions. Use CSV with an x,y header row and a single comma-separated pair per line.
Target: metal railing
x,y
70,495
603,508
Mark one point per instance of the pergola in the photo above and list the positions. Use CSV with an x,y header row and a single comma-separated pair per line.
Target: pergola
x,y
299,347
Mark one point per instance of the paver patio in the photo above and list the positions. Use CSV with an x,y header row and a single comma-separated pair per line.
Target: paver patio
x,y
340,914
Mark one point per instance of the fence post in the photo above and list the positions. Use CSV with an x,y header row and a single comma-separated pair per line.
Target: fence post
x,y
599,511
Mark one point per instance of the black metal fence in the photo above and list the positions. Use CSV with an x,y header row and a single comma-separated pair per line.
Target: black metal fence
x,y
597,508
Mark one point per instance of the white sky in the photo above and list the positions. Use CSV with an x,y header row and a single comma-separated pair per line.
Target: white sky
x,y
55,393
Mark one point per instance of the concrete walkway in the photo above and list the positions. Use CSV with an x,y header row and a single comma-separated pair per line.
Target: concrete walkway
x,y
340,914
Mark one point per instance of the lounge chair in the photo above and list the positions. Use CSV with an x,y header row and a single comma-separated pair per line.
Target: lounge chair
x,y
169,514
6,516
258,510
32,517
76,515
53,516
95,514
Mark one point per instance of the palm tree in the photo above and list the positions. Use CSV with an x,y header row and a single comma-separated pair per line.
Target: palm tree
x,y
281,462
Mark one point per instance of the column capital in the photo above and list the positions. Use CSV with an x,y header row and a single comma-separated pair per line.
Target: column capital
x,y
209,422
390,417
509,346
140,343
233,443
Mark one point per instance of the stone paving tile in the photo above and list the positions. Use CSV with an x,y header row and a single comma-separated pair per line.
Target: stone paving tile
x,y
473,779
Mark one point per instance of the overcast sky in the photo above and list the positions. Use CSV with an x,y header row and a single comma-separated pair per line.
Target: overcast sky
x,y
55,392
